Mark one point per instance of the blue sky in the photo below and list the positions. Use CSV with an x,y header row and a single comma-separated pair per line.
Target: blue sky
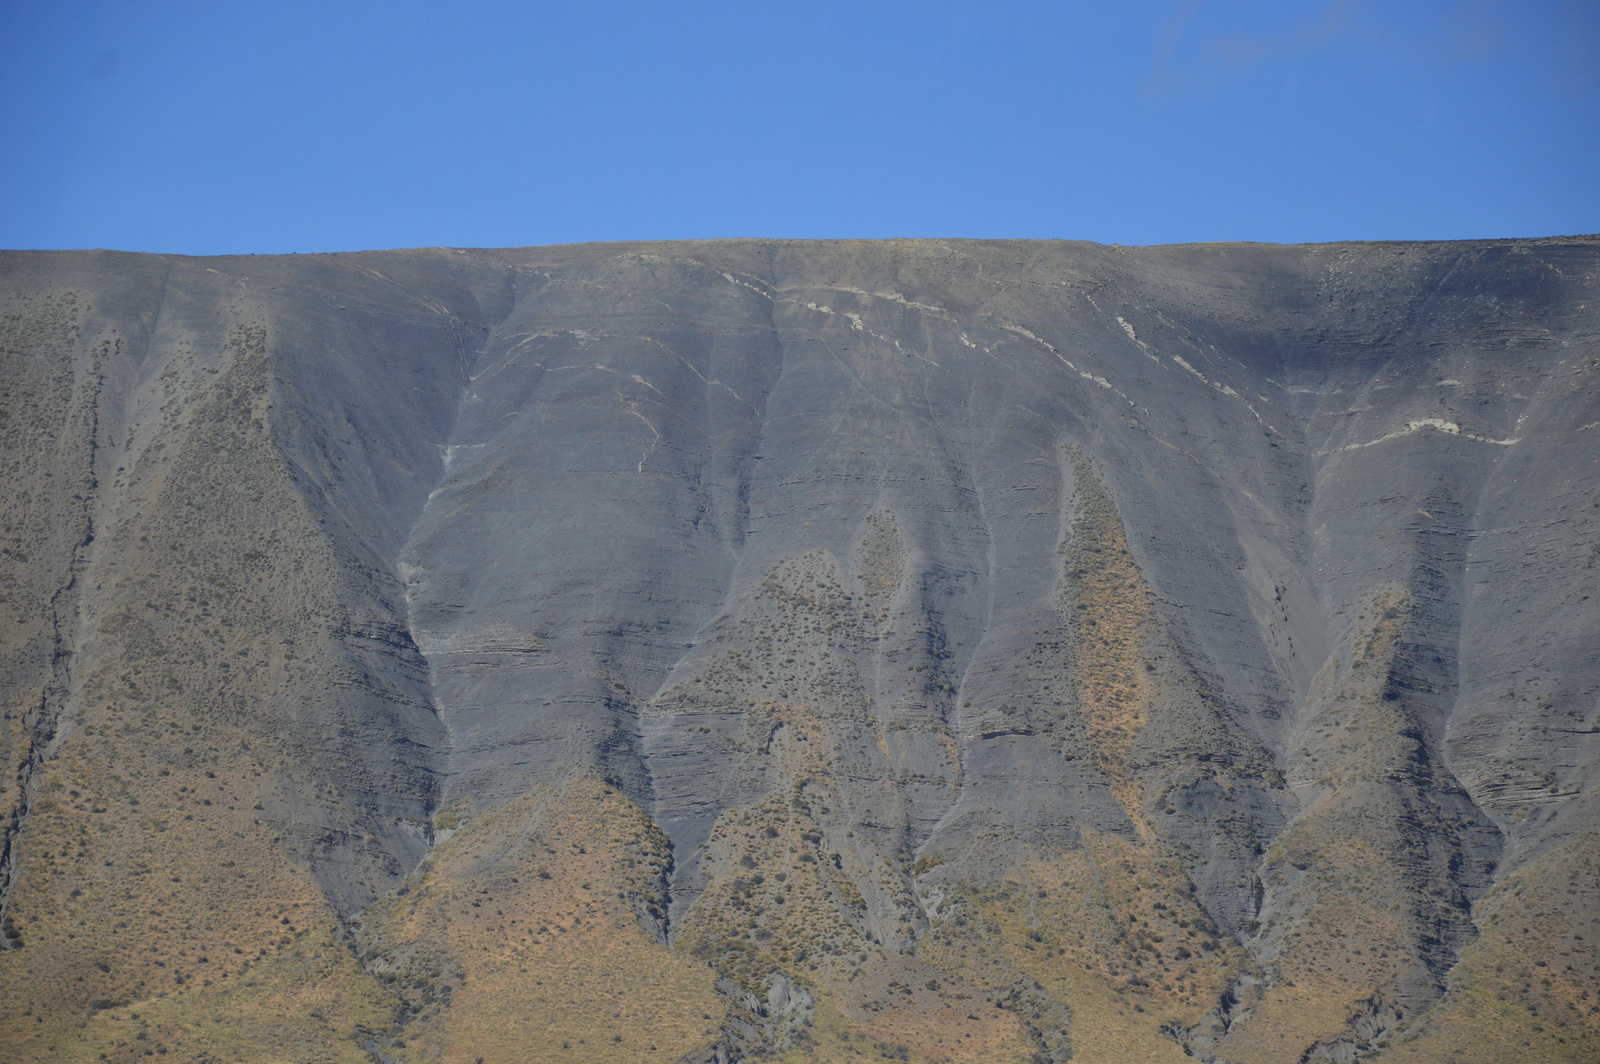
x,y
237,127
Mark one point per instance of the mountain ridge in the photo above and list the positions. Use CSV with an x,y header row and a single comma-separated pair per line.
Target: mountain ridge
x,y
955,569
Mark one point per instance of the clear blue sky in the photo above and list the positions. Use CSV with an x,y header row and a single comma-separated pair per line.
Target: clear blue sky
x,y
272,127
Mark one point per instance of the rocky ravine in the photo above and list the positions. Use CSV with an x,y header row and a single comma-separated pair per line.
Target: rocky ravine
x,y
935,650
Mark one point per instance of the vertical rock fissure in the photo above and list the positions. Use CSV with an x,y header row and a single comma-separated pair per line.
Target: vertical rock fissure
x,y
959,697
669,875
42,726
405,573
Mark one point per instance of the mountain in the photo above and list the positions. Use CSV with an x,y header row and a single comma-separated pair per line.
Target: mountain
x,y
943,651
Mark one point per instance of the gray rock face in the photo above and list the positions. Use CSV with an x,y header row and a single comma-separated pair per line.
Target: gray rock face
x,y
691,515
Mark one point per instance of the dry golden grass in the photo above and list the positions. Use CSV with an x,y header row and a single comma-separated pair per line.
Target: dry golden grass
x,y
895,999
518,940
1529,987
195,932
1111,931
158,874
1289,1019
1108,605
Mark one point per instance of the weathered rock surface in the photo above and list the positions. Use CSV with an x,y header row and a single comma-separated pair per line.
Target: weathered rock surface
x,y
964,650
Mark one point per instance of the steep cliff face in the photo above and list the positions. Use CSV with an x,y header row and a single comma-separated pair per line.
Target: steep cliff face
x,y
958,650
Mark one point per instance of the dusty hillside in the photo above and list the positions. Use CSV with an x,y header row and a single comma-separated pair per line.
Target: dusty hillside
x,y
936,651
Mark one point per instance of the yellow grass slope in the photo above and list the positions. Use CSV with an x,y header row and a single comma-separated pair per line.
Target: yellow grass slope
x,y
157,908
519,940
1529,987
